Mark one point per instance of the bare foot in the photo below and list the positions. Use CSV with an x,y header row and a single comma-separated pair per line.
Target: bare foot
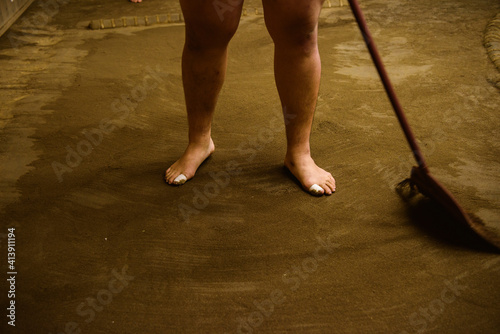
x,y
135,1
187,165
314,179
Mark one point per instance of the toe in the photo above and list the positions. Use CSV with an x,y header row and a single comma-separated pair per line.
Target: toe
x,y
316,190
180,180
170,176
328,185
168,173
327,188
331,186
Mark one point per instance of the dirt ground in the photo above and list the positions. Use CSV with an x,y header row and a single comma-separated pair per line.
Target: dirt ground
x,y
90,119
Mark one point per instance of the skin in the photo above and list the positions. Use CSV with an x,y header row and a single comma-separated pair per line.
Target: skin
x,y
293,26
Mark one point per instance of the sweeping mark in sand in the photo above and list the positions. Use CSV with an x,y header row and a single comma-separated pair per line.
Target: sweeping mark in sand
x,y
292,280
355,63
94,136
24,105
89,308
428,313
452,291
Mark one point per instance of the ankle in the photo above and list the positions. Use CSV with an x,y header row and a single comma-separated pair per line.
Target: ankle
x,y
204,139
297,155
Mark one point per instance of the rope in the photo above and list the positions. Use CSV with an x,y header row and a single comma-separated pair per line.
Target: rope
x,y
491,40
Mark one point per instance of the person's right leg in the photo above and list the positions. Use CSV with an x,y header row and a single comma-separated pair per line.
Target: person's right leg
x,y
208,32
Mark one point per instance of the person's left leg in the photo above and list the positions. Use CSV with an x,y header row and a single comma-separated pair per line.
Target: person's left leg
x,y
293,26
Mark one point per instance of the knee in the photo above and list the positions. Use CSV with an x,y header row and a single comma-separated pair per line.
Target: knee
x,y
299,33
201,36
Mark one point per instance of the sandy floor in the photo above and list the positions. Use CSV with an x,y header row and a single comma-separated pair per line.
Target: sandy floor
x,y
91,118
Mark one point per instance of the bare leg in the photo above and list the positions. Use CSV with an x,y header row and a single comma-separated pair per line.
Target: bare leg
x,y
204,61
293,25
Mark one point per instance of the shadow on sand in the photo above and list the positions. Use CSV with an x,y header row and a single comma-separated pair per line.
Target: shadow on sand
x,y
434,220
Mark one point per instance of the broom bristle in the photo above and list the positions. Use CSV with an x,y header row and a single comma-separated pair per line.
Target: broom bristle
x,y
407,189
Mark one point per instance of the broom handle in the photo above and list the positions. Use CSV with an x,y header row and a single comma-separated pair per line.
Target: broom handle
x,y
358,14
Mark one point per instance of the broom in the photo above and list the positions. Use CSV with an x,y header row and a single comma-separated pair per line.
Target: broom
x,y
420,178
